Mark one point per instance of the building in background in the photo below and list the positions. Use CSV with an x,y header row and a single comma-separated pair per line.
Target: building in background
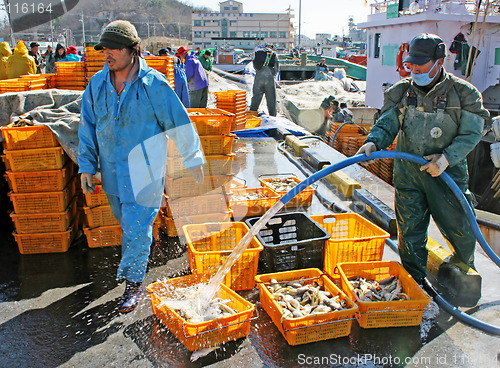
x,y
232,28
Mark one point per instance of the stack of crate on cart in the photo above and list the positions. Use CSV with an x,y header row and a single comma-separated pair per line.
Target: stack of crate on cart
x,y
234,101
40,175
163,64
187,201
94,62
70,75
30,82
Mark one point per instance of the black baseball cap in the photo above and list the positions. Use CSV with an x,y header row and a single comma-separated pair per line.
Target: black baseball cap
x,y
34,44
424,48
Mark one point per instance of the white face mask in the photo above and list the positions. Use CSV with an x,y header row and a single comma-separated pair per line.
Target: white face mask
x,y
423,79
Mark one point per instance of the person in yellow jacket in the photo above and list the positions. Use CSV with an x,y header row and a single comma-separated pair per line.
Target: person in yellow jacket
x,y
20,63
4,54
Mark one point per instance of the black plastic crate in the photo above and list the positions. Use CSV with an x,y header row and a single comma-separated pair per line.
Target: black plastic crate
x,y
291,241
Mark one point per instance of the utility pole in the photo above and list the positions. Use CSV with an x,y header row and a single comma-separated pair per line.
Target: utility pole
x,y
300,19
83,28
7,9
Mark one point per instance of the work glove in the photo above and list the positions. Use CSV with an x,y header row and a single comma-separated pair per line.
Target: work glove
x,y
436,165
87,183
197,173
367,149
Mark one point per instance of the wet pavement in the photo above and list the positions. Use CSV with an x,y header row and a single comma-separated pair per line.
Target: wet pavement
x,y
58,310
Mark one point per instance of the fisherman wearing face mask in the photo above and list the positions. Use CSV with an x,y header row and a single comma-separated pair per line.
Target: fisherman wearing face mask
x,y
440,117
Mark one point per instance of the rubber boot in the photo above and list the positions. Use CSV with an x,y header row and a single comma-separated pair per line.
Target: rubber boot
x,y
130,298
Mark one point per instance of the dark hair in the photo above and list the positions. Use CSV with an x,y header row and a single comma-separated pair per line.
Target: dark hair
x,y
207,52
135,50
343,105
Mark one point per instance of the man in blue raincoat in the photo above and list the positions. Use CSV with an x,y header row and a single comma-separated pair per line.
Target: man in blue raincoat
x,y
440,117
127,109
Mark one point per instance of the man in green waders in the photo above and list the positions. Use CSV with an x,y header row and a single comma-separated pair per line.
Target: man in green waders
x,y
440,117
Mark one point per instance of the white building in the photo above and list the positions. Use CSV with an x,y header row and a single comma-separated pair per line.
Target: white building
x,y
387,28
231,27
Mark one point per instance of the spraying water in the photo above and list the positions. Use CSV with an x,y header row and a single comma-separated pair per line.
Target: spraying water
x,y
208,293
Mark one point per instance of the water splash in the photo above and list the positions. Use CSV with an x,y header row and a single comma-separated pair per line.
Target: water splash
x,y
208,293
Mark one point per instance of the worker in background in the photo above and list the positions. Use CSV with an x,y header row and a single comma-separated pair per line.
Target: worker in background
x,y
72,54
20,63
180,80
266,67
50,60
5,52
60,53
321,70
440,117
127,108
34,52
343,114
196,77
206,60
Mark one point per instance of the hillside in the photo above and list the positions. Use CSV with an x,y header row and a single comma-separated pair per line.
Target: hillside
x,y
169,18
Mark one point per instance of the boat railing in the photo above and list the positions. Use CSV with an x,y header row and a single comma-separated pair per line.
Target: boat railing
x,y
461,7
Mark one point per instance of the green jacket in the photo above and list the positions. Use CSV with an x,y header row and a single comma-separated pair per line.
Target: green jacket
x,y
463,103
206,62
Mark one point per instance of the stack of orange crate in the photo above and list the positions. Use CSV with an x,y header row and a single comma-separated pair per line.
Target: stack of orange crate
x,y
164,64
234,101
40,176
32,83
94,62
189,202
70,75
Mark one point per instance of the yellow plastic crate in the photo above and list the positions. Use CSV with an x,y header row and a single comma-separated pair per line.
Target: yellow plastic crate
x,y
385,314
57,242
187,187
197,336
214,165
210,244
47,202
41,181
211,121
97,198
100,216
252,207
44,222
303,199
315,327
173,226
28,137
103,236
204,204
38,159
353,239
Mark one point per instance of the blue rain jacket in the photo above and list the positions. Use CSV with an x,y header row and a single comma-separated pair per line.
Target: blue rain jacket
x,y
112,126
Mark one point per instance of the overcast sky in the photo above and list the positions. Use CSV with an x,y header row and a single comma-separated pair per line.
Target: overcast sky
x,y
318,16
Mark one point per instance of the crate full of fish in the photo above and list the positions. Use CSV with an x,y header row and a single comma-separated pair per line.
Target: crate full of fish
x,y
210,244
283,184
245,202
386,294
227,317
291,241
306,306
353,239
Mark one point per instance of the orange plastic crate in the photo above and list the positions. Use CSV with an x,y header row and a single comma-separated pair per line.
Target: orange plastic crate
x,y
385,314
41,181
210,244
173,226
315,327
197,336
100,216
214,165
44,222
252,207
187,187
302,199
211,121
57,242
353,239
38,159
103,236
221,144
203,204
28,137
97,198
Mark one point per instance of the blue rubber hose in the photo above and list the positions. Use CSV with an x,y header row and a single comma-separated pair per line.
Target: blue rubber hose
x,y
338,130
463,317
